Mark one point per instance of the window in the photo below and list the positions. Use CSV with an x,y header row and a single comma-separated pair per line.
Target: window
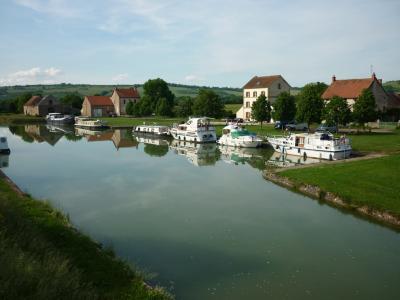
x,y
124,101
279,86
248,104
254,94
263,93
247,94
50,102
247,115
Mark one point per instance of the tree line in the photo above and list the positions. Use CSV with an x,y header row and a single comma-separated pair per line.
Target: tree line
x,y
157,99
309,107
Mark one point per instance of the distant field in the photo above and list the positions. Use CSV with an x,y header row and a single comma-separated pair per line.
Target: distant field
x,y
59,90
233,107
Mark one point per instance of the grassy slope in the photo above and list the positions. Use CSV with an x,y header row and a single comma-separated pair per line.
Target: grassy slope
x,y
43,257
233,107
373,182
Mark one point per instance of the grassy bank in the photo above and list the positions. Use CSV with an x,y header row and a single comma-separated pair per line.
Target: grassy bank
x,y
43,257
14,119
373,182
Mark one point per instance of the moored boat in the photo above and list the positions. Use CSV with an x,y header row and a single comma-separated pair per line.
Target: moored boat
x,y
152,129
322,145
4,146
90,123
198,130
237,136
59,118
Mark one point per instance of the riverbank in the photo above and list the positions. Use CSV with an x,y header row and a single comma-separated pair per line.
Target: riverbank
x,y
42,256
367,186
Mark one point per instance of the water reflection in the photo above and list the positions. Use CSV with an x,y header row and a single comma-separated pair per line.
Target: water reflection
x,y
197,154
4,161
285,160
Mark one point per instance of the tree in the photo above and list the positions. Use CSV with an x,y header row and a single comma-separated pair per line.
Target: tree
x,y
208,103
72,99
337,112
310,103
285,107
184,107
364,109
261,110
162,108
129,108
155,90
21,100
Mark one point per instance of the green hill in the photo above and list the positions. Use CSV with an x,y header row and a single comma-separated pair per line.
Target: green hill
x,y
229,95
392,86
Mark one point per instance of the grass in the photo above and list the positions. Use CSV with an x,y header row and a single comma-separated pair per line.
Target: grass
x,y
372,182
43,257
376,142
9,119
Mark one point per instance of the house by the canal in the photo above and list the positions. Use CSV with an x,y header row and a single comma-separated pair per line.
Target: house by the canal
x,y
97,106
121,97
351,89
41,106
270,86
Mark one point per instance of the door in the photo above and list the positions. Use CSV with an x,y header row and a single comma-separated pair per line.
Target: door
x,y
97,112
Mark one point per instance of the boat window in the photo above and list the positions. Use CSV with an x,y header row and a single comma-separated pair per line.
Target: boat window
x,y
3,139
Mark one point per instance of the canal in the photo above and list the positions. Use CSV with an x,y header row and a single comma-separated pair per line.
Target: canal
x,y
201,221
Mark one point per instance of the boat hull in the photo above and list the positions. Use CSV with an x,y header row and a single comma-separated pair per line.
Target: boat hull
x,y
248,143
320,154
197,137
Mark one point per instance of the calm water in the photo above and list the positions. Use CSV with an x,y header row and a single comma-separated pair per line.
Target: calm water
x,y
204,220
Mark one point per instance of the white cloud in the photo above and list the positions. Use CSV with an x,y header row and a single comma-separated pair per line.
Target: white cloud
x,y
120,78
57,8
193,79
32,76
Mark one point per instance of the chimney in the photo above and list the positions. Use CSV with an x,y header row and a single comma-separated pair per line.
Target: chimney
x,y
333,78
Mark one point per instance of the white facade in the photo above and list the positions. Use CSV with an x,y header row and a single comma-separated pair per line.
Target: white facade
x,y
271,91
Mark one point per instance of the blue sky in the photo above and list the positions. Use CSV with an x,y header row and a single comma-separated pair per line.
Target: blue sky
x,y
218,43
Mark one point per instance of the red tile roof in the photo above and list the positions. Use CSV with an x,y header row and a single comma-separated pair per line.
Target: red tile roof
x,y
99,101
348,89
127,93
33,101
261,82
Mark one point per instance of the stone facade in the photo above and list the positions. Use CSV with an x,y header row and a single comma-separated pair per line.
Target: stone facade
x,y
121,97
41,106
97,106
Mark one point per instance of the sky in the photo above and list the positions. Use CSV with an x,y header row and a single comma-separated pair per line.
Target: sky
x,y
213,43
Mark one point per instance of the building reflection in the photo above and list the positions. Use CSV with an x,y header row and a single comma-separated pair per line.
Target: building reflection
x,y
121,138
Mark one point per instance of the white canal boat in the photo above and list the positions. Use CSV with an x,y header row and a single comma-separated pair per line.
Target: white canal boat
x,y
59,119
236,136
90,123
198,130
322,145
152,129
4,146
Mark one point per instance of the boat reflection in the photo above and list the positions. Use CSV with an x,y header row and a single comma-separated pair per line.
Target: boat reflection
x,y
255,157
286,160
4,161
197,154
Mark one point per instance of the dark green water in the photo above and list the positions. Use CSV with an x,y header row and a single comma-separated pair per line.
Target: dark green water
x,y
205,222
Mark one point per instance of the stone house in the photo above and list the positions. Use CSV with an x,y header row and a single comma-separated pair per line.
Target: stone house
x,y
351,89
270,86
97,106
41,106
121,97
